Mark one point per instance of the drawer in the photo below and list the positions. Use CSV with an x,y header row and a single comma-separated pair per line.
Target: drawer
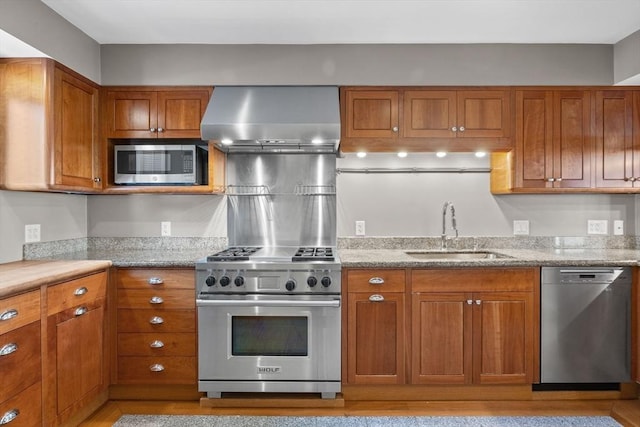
x,y
158,299
156,320
158,278
157,370
19,310
389,280
28,406
157,344
474,280
76,292
20,367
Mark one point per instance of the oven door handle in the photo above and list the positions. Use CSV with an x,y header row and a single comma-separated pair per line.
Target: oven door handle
x,y
268,303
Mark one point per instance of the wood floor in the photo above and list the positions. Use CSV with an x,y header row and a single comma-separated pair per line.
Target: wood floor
x,y
626,412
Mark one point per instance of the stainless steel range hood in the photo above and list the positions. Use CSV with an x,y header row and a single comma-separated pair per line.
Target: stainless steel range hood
x,y
273,118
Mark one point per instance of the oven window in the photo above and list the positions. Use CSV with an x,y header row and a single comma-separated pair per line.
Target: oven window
x,y
269,336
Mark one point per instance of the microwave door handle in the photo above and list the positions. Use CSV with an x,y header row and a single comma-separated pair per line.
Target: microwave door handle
x,y
267,303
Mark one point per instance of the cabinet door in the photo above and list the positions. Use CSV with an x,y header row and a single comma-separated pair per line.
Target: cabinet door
x,y
132,114
441,342
571,139
483,114
635,119
76,151
429,114
614,139
503,338
534,142
376,340
180,113
371,114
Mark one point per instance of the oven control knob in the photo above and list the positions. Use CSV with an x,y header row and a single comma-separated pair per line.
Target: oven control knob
x,y
210,281
239,281
290,285
224,281
326,281
312,281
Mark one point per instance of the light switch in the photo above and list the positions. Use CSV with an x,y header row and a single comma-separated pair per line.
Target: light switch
x,y
521,227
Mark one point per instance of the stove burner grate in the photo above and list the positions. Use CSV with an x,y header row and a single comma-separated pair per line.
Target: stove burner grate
x,y
236,253
313,254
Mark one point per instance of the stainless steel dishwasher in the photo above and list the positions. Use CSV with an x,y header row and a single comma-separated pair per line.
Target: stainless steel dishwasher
x,y
585,325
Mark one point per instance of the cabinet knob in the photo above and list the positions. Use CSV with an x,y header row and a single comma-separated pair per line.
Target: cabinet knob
x,y
461,128
160,129
376,298
469,301
97,179
9,416
156,368
550,179
80,311
558,179
7,349
478,302
376,281
454,129
8,314
155,281
80,291
156,344
632,179
152,130
156,320
395,128
156,300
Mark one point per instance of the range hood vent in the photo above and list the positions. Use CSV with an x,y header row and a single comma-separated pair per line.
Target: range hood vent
x,y
273,119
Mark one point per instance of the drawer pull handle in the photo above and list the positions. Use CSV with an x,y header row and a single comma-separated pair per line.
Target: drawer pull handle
x,y
376,281
80,311
7,349
376,298
156,320
156,368
157,344
156,300
9,314
80,291
156,281
9,416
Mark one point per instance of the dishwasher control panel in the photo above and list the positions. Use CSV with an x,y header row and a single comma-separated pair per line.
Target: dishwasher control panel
x,y
574,275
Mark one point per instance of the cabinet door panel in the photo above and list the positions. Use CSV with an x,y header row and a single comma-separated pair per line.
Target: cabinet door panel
x,y
372,114
376,339
152,320
483,114
534,149
76,117
614,155
132,114
429,114
441,339
180,113
503,338
22,367
571,139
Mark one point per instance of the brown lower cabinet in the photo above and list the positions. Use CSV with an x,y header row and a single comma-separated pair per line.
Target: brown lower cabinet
x,y
453,326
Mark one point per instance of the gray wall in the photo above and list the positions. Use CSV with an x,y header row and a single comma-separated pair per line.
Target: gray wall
x,y
626,63
358,64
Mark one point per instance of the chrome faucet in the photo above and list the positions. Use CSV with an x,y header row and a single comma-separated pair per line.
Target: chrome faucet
x,y
444,225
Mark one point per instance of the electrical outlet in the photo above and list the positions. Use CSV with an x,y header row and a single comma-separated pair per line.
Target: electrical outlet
x,y
599,226
31,233
618,227
359,228
521,227
165,228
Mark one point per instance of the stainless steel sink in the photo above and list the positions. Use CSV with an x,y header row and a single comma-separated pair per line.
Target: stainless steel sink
x,y
448,255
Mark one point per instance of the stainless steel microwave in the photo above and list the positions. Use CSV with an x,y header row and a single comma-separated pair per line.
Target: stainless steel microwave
x,y
160,164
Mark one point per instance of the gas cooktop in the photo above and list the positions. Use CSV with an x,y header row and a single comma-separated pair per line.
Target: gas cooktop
x,y
275,253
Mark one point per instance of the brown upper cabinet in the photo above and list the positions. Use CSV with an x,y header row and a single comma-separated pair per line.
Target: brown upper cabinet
x,y
49,133
425,119
163,113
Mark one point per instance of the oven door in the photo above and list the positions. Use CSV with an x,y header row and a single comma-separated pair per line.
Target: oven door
x,y
269,338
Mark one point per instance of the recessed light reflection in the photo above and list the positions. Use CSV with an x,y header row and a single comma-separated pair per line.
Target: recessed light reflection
x,y
361,154
441,154
316,141
402,154
481,154
226,141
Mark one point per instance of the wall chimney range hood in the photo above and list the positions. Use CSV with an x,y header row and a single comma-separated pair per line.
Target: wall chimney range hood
x,y
273,119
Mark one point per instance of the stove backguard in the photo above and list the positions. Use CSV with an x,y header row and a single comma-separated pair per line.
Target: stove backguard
x,y
280,199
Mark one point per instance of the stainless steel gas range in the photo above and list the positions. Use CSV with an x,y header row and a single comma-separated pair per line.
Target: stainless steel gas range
x,y
269,320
